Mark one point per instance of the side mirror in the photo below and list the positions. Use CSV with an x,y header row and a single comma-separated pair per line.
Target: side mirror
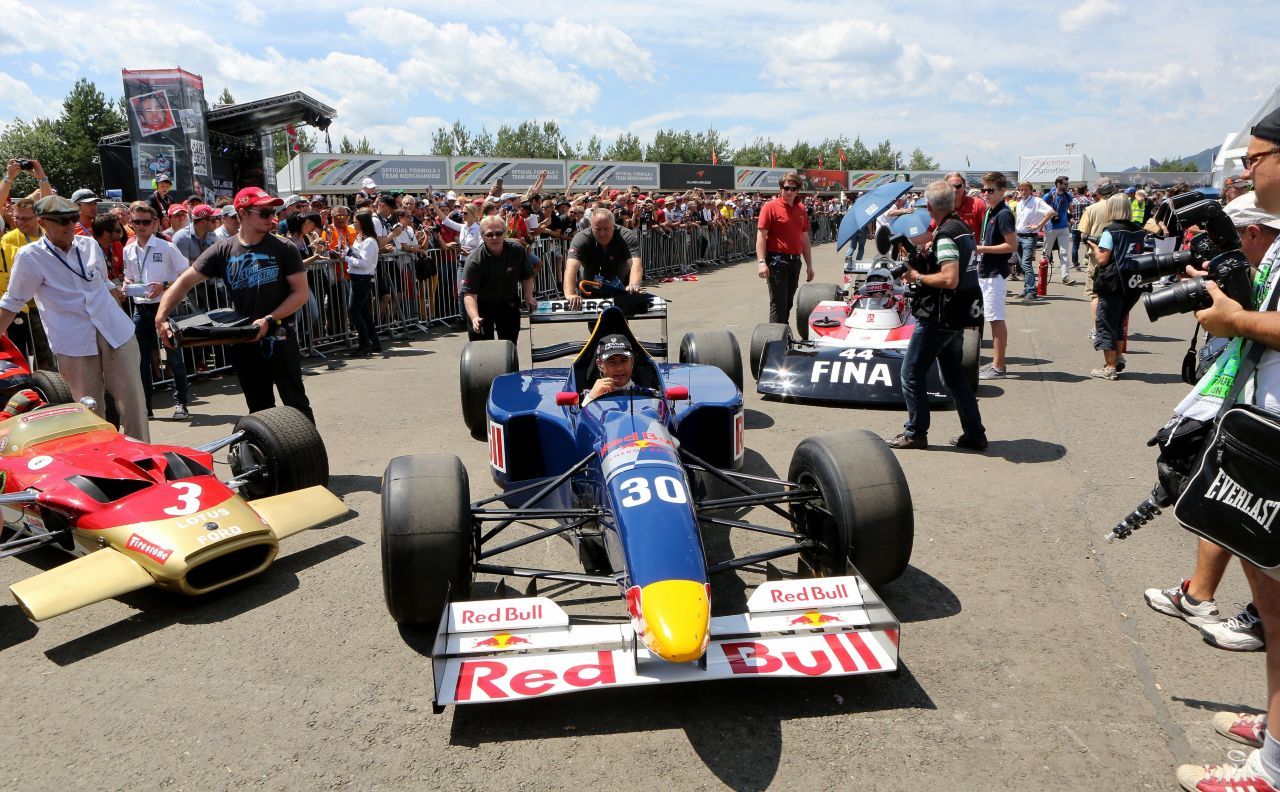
x,y
677,393
567,399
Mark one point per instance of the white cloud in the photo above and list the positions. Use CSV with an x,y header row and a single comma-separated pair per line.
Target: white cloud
x,y
483,67
602,46
1087,14
248,13
17,100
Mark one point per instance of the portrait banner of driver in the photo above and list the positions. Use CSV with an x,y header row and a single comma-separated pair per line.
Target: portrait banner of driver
x,y
153,113
603,253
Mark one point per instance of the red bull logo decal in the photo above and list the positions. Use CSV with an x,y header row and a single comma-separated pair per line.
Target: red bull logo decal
x,y
811,593
488,680
504,613
815,619
845,653
636,440
501,641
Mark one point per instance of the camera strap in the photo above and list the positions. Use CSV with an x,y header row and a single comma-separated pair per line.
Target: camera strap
x,y
1248,362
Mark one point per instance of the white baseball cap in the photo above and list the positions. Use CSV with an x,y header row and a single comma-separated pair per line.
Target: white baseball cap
x,y
1244,211
369,184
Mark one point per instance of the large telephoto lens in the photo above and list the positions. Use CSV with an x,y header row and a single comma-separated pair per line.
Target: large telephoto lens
x,y
1154,266
1182,297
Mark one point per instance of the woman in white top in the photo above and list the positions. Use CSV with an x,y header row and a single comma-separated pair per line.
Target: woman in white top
x,y
468,230
362,265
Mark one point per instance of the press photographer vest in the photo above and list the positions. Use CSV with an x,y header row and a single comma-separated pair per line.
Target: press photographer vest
x,y
961,307
1118,275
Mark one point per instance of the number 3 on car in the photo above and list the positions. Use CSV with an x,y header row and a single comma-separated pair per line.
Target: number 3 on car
x,y
188,500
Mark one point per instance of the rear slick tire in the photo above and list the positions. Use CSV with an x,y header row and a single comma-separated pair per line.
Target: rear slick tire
x,y
717,348
761,337
807,299
481,363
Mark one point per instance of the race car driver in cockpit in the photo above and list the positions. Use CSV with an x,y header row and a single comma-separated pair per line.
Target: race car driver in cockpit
x,y
615,361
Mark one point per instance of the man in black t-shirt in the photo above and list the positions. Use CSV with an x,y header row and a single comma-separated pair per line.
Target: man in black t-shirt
x,y
995,254
267,283
490,277
603,253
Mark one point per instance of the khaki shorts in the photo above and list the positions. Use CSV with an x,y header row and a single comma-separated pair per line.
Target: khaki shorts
x,y
1090,268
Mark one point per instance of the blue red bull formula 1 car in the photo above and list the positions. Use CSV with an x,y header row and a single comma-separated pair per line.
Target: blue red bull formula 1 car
x,y
626,479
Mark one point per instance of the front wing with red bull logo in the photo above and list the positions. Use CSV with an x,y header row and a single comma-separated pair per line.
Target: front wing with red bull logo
x,y
835,374
511,649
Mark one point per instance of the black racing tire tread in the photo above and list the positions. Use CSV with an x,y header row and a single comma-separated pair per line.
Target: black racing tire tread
x,y
865,490
295,454
426,537
52,387
761,336
717,348
480,364
807,299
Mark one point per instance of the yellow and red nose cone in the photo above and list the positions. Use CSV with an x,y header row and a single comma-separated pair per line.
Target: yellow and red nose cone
x,y
677,617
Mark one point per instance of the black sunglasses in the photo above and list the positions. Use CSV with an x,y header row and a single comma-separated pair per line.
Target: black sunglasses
x,y
494,234
790,189
143,221
265,214
989,190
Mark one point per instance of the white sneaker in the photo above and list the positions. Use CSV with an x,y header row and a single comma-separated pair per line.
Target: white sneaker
x,y
1173,602
1240,633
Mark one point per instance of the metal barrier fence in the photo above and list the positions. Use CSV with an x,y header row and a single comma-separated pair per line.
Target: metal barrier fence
x,y
414,292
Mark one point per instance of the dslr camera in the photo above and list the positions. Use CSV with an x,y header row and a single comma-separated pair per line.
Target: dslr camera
x,y
1215,249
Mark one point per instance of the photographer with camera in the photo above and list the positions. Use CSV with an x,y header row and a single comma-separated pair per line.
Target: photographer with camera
x,y
947,299
1247,326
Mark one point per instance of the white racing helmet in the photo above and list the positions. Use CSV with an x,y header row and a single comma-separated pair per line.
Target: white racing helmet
x,y
878,286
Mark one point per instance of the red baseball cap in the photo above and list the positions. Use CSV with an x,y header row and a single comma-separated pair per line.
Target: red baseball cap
x,y
177,209
255,196
613,194
203,212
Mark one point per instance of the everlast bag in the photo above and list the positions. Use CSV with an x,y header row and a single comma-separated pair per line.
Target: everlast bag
x,y
1233,497
221,326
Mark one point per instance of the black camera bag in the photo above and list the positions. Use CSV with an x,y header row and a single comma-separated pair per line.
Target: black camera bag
x,y
1233,497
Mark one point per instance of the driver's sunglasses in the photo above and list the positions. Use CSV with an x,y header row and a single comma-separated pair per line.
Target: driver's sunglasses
x,y
141,221
265,214
989,190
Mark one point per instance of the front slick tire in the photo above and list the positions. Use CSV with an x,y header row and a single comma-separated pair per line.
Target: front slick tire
x,y
481,363
426,537
869,521
287,445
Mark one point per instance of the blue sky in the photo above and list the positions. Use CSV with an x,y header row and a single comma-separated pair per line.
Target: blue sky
x,y
986,80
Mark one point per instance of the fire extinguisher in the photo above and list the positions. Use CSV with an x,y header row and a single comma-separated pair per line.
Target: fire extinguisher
x,y
1042,284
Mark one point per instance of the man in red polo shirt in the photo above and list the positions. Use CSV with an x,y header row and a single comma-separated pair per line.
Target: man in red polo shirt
x,y
970,207
782,238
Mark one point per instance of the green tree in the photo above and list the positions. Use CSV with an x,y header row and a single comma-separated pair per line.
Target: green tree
x,y
755,154
482,145
625,149
225,98
883,157
858,156
87,115
670,145
801,155
39,139
921,161
452,141
306,142
532,140
594,150
1175,166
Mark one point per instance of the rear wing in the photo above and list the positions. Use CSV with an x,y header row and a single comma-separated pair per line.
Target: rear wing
x,y
558,312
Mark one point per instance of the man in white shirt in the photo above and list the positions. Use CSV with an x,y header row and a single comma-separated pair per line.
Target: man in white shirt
x,y
230,222
1033,215
151,263
89,334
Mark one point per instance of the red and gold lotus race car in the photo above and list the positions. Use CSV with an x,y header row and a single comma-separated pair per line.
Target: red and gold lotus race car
x,y
141,514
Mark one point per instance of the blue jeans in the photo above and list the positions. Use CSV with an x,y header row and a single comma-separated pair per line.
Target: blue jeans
x,y
1075,248
859,242
1027,260
929,343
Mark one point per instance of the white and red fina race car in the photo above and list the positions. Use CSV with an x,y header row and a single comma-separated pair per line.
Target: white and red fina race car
x,y
852,341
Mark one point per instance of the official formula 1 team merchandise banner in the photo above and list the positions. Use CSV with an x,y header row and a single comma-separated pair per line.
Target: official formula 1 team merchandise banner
x,y
824,180
614,174
758,179
166,110
679,176
470,174
322,172
862,181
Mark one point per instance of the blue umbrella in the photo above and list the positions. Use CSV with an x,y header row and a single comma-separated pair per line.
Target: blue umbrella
x,y
911,225
871,205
